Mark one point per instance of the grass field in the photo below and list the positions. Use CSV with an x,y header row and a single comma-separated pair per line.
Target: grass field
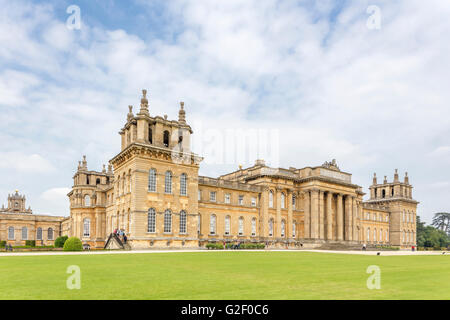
x,y
225,275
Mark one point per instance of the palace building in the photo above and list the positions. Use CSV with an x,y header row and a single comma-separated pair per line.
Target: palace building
x,y
152,190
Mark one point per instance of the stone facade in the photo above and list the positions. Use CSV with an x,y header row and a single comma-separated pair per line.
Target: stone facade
x,y
18,224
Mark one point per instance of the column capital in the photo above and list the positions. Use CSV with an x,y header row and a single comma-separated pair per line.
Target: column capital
x,y
279,188
290,190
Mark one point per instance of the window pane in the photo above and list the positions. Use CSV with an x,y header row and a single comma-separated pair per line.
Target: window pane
x,y
151,220
152,180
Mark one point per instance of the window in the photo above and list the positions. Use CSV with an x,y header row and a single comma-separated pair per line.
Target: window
x,y
168,182
270,227
253,202
241,200
368,234
271,199
368,215
199,195
212,196
86,228
183,181
166,138
151,219
294,198
152,180
50,234
381,235
387,236
241,226
383,193
87,200
150,135
227,198
212,224
97,181
283,201
254,227
24,233
227,225
183,221
167,221
293,229
375,235
11,233
283,228
39,234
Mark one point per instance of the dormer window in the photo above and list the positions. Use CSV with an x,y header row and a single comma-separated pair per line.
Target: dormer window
x,y
166,138
150,135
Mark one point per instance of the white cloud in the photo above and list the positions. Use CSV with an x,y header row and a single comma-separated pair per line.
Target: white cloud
x,y
26,163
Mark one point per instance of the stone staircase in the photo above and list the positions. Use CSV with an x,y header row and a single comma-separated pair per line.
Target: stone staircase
x,y
114,242
340,247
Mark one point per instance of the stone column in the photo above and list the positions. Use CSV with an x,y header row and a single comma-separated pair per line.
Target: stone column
x,y
348,218
290,220
329,217
340,218
98,225
265,212
278,222
307,215
315,214
321,215
355,219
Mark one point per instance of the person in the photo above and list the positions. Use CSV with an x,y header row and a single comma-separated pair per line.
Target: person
x,y
125,238
364,247
413,248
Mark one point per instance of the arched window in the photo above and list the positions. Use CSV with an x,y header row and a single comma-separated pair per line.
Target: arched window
x,y
368,234
166,138
87,200
50,234
270,227
375,235
24,233
212,224
241,226
227,225
183,221
294,229
283,200
168,182
11,233
383,193
86,227
168,221
183,182
283,228
387,236
381,235
152,180
97,181
294,198
150,135
270,199
39,234
254,227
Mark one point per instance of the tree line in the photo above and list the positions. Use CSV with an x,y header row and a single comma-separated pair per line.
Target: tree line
x,y
436,235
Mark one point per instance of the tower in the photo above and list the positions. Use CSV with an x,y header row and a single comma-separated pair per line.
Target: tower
x,y
397,197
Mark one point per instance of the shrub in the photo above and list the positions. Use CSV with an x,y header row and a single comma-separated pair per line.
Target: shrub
x,y
59,242
2,244
73,244
30,243
214,246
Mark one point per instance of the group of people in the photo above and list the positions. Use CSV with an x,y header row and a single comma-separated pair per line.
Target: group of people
x,y
121,234
8,247
235,245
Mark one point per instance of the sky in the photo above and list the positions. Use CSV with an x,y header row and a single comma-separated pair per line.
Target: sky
x,y
362,82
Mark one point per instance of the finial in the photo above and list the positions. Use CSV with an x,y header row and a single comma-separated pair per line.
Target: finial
x,y
182,113
165,117
144,103
240,167
17,191
104,169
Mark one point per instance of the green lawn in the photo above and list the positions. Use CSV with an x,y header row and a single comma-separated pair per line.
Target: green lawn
x,y
225,275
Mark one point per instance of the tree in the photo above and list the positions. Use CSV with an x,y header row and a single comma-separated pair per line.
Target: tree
x,y
441,221
73,244
429,236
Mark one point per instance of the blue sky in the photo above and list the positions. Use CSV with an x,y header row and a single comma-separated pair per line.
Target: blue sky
x,y
312,71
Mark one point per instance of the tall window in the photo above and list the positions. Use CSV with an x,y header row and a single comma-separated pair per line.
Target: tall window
x,y
293,229
283,201
50,234
167,221
254,227
151,220
150,135
387,236
374,235
168,182
283,228
270,227
11,233
39,234
87,200
24,233
368,234
212,196
199,194
227,198
183,181
241,226
86,227
227,225
166,138
241,200
271,199
253,202
152,180
212,224
183,222
294,198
